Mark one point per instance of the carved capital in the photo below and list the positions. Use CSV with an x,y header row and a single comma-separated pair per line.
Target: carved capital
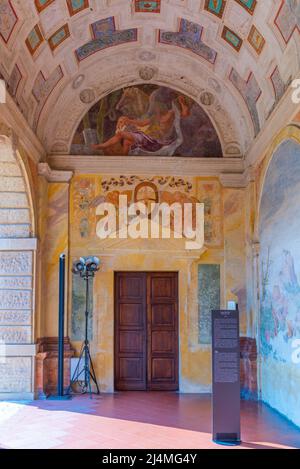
x,y
52,175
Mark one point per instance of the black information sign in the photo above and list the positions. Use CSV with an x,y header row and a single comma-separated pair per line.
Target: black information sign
x,y
226,376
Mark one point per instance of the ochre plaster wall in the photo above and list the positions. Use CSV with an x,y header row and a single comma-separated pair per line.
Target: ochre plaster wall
x,y
75,227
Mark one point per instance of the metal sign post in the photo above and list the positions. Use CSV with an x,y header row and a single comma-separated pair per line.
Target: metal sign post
x,y
61,332
226,377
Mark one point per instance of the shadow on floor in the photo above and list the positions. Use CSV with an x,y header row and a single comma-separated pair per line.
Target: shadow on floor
x,y
262,427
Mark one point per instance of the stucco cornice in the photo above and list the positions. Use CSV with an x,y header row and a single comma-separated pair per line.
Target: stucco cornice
x,y
13,118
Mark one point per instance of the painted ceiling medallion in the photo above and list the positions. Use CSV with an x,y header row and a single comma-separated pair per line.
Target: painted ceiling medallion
x,y
75,6
8,19
189,37
214,84
256,40
42,4
216,7
146,56
295,7
249,5
288,19
14,80
59,36
87,96
77,82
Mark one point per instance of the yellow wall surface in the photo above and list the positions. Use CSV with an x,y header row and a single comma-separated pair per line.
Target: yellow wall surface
x,y
278,282
76,227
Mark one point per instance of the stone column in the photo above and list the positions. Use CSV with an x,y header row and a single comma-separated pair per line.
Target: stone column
x,y
55,242
17,349
256,303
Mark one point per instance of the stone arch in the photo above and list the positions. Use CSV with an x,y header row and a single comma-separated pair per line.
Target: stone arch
x,y
17,271
210,118
290,132
17,218
57,133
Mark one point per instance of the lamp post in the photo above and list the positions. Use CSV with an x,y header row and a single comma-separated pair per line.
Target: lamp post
x,y
86,268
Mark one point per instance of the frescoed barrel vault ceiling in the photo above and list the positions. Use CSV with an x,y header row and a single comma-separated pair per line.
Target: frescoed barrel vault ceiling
x,y
234,58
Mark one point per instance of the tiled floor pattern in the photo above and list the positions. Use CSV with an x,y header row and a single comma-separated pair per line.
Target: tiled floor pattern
x,y
135,420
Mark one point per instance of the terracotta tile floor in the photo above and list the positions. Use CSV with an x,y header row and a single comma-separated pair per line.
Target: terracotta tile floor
x,y
135,420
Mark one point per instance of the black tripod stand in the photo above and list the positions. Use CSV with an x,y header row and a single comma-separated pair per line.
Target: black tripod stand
x,y
84,375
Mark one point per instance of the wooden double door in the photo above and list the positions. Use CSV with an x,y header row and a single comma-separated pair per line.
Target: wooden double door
x,y
146,331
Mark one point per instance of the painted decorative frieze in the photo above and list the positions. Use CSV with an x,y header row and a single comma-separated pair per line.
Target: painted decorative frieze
x,y
15,317
139,112
59,37
76,6
16,283
8,19
278,83
288,19
167,182
14,80
142,6
15,231
34,39
42,89
256,39
14,299
189,37
42,4
250,91
105,35
232,38
209,298
15,375
216,7
249,5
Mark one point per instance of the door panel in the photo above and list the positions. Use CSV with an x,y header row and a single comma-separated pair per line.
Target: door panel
x,y
131,372
131,315
130,324
163,315
146,331
162,319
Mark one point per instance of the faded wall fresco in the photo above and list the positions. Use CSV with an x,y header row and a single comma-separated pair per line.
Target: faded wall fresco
x,y
280,280
209,297
147,120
